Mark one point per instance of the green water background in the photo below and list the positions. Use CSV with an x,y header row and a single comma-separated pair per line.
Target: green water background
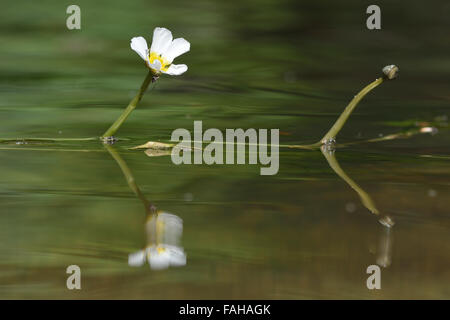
x,y
292,65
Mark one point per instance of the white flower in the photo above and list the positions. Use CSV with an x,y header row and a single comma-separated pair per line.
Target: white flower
x,y
162,52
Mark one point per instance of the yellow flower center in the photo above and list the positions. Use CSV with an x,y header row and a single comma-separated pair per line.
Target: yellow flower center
x,y
160,250
156,57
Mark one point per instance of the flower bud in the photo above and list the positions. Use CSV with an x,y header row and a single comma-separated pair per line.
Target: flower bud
x,y
390,72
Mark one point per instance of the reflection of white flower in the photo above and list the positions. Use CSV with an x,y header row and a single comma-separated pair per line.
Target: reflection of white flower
x,y
162,52
164,231
136,259
164,256
159,257
165,228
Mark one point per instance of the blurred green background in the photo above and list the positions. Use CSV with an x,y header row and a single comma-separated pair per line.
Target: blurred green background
x,y
287,64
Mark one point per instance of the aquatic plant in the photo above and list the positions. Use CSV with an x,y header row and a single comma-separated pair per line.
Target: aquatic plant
x,y
158,60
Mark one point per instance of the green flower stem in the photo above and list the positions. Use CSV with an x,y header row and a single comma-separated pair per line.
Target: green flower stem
x,y
51,149
131,106
4,140
332,133
393,136
129,177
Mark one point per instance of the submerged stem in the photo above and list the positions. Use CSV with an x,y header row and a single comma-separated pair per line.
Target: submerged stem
x,y
131,106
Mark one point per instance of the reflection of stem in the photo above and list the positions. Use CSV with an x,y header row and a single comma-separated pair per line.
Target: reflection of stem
x,y
131,106
385,248
365,198
130,178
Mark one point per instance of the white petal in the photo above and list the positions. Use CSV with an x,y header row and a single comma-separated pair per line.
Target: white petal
x,y
176,69
177,256
158,260
136,259
177,48
173,227
139,45
162,38
166,216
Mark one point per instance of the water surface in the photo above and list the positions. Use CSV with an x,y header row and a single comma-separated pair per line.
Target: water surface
x,y
303,233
